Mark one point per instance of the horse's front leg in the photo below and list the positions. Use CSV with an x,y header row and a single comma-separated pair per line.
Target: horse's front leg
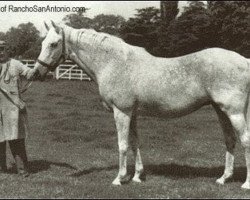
x,y
134,141
122,121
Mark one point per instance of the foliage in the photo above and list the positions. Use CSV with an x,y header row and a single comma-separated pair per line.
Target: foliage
x,y
21,39
142,29
34,51
103,23
77,20
224,24
2,36
107,23
231,22
169,10
188,33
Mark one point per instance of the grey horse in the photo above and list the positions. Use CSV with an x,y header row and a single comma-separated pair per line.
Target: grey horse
x,y
130,80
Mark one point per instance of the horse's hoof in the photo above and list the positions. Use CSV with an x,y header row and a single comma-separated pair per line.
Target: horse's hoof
x,y
136,179
116,182
246,186
220,181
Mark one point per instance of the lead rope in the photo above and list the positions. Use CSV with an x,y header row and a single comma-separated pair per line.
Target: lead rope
x,y
26,87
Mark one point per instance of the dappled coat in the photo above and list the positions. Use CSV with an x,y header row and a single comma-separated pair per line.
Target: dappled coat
x,y
13,120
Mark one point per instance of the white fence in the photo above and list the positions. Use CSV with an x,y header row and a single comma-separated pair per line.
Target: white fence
x,y
70,71
67,70
29,63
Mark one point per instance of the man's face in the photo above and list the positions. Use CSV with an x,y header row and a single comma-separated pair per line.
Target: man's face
x,y
3,55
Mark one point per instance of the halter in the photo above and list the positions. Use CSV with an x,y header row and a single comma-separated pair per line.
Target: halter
x,y
63,56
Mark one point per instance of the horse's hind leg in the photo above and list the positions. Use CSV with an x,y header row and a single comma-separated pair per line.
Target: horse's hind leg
x,y
134,141
236,107
122,121
239,123
230,140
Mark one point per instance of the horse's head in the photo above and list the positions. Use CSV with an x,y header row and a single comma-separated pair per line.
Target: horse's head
x,y
53,50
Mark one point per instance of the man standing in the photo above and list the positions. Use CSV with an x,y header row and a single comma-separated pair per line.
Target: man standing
x,y
13,113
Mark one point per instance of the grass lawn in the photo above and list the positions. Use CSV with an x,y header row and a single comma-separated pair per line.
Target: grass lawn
x,y
73,151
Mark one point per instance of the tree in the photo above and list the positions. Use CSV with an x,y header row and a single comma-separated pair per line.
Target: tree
x,y
21,39
108,23
188,33
169,10
231,22
222,24
34,51
140,30
78,20
2,36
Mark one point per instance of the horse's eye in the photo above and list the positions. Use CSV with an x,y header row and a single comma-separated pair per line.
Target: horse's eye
x,y
53,45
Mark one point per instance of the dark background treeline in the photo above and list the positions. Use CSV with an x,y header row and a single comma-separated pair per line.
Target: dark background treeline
x,y
162,32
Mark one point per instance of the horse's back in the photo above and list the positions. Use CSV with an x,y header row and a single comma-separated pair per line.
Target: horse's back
x,y
175,86
180,85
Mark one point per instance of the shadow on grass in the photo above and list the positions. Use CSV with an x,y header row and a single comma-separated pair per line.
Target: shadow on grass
x,y
185,171
173,171
92,170
36,166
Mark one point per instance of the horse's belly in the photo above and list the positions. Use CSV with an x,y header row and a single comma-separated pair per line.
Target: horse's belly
x,y
172,108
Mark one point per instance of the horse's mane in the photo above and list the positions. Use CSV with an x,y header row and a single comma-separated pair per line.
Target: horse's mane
x,y
99,37
110,43
105,41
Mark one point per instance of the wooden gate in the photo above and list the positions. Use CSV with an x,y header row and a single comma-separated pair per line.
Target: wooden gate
x,y
67,70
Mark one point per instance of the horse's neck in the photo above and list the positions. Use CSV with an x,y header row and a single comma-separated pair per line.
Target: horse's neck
x,y
72,37
91,54
83,65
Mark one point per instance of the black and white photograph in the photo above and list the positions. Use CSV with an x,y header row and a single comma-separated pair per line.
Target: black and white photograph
x,y
124,99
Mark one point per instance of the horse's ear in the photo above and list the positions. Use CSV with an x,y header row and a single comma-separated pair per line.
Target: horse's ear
x,y
55,26
46,26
